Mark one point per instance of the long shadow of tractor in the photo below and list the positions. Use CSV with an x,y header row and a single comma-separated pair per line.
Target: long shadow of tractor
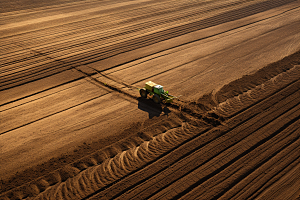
x,y
152,108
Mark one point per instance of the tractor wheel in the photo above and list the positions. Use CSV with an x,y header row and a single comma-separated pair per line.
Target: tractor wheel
x,y
156,98
143,93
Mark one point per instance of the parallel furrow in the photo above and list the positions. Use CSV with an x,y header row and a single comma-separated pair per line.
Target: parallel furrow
x,y
110,20
96,37
102,23
205,149
207,155
89,56
262,149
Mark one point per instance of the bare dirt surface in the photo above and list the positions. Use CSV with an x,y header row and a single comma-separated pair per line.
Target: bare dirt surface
x,y
74,127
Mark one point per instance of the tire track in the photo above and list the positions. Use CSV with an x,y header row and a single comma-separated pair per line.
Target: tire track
x,y
51,114
118,174
214,158
97,54
37,54
106,22
259,176
257,135
283,188
112,18
112,191
131,29
223,180
56,90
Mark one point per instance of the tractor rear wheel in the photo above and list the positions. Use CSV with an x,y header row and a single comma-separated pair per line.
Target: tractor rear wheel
x,y
143,93
156,98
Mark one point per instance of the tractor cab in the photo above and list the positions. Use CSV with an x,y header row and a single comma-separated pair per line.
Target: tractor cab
x,y
158,89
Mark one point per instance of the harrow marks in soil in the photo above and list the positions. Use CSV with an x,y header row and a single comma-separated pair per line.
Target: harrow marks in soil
x,y
250,155
59,48
245,147
250,151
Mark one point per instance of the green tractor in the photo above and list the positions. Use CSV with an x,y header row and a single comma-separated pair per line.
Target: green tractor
x,y
157,93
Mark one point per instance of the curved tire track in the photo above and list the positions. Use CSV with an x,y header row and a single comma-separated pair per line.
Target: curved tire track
x,y
234,159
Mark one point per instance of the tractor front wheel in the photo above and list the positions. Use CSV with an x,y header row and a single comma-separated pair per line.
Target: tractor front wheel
x,y
143,93
156,98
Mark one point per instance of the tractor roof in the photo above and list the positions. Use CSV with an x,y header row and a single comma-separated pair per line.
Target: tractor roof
x,y
151,84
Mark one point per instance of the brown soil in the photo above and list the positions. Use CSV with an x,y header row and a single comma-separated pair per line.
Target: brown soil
x,y
74,127
249,81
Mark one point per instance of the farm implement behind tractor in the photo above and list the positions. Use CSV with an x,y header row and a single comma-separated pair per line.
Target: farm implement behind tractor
x,y
157,92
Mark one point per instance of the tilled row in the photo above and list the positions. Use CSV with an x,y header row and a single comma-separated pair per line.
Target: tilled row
x,y
44,64
105,166
250,168
227,169
181,155
109,25
173,128
96,178
233,160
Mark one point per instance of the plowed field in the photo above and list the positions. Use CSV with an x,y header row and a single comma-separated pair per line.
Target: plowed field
x,y
73,125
